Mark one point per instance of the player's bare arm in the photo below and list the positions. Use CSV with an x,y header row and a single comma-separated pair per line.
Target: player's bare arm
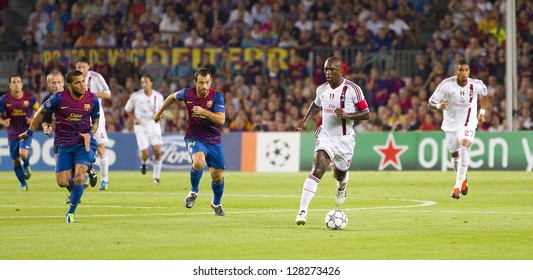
x,y
136,121
168,102
312,111
484,105
103,95
47,128
443,105
87,136
5,122
215,117
34,123
361,115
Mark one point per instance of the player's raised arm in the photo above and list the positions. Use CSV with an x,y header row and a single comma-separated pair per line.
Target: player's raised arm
x,y
168,102
34,123
311,113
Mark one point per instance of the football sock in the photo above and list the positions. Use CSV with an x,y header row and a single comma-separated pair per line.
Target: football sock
x,y
455,161
70,185
157,169
25,161
342,185
462,167
308,191
218,190
75,197
104,167
195,179
20,175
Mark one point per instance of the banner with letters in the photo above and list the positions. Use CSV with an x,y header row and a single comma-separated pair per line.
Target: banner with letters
x,y
291,151
169,56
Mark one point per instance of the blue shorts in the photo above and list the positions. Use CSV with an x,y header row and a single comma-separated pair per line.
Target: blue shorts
x,y
214,157
15,145
68,157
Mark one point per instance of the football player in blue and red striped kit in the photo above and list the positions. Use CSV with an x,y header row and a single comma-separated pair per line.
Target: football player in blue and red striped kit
x,y
205,108
18,106
77,111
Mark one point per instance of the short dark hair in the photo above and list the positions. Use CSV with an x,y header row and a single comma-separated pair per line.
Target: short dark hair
x,y
201,72
71,74
147,76
14,76
462,61
82,59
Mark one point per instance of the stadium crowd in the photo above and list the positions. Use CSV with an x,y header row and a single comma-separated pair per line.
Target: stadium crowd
x,y
263,97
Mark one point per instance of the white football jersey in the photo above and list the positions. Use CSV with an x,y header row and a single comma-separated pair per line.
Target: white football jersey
x,y
462,102
347,96
144,106
96,83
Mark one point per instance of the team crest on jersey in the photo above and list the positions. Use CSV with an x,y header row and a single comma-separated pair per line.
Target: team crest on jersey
x,y
331,96
87,107
26,103
209,104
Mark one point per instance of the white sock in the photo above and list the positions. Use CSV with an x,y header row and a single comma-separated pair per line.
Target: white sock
x,y
462,166
104,167
455,161
157,169
342,185
308,191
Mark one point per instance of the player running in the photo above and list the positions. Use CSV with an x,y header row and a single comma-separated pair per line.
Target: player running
x,y
205,108
18,106
457,97
341,102
141,107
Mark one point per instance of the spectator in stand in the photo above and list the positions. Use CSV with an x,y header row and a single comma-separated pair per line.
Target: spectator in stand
x,y
194,40
34,70
155,69
106,40
101,65
240,15
252,67
305,43
247,40
181,70
74,27
123,70
139,41
377,89
114,13
86,40
297,68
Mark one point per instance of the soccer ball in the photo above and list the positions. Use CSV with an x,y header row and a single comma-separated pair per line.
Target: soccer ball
x,y
336,220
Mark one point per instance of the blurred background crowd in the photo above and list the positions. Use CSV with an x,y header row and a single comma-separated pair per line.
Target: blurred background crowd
x,y
367,34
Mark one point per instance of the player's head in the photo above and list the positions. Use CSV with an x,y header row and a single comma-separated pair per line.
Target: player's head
x,y
76,82
15,83
202,81
82,65
333,70
147,82
55,82
462,71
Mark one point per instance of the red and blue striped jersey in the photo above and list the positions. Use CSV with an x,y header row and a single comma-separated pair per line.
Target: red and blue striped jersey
x,y
199,128
72,116
17,110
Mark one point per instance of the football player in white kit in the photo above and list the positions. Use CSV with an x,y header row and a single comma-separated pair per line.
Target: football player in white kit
x,y
97,85
341,102
457,97
141,107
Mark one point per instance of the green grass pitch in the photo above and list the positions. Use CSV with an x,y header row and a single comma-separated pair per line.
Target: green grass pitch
x,y
392,216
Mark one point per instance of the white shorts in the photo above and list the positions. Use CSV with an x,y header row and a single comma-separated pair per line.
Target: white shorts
x,y
148,135
101,133
339,148
453,138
